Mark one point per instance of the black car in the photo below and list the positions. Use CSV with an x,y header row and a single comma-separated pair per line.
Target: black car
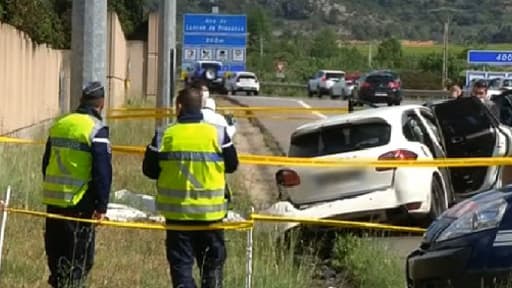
x,y
379,87
468,246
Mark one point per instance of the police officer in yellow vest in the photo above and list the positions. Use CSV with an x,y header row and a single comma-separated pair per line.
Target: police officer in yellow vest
x,y
189,161
77,174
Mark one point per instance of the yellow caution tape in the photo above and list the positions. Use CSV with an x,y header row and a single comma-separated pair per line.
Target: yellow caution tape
x,y
13,140
239,225
167,115
336,223
238,108
269,160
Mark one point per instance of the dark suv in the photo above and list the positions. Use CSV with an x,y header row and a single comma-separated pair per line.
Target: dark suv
x,y
209,71
379,87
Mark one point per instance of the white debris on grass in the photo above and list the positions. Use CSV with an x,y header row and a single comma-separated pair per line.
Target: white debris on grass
x,y
127,213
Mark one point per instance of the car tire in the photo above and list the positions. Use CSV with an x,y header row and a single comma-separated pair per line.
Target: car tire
x,y
248,93
320,94
256,93
310,93
438,203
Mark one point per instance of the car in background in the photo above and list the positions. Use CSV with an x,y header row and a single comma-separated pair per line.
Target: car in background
x,y
450,128
498,85
378,87
322,82
210,72
344,87
468,246
243,82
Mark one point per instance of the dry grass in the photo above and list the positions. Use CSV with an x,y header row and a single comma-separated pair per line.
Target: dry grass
x,y
126,258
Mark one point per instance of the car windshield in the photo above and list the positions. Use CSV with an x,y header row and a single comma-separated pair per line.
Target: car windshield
x,y
340,139
494,84
331,75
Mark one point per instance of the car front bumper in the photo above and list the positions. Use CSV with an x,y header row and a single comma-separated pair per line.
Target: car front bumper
x,y
456,265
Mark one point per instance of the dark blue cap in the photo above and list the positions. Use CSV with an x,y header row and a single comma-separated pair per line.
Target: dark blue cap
x,y
93,90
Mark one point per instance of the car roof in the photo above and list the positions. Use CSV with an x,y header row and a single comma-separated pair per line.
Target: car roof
x,y
391,114
245,73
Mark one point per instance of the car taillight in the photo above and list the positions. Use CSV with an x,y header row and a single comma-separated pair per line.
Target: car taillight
x,y
400,154
287,178
394,85
365,84
323,78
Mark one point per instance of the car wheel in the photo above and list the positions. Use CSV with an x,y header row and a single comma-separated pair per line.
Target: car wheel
x,y
256,93
248,93
320,94
438,202
310,93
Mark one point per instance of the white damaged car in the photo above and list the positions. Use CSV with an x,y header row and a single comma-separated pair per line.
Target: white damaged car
x,y
453,128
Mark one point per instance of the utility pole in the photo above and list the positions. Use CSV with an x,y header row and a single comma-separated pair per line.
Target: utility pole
x,y
370,54
166,58
445,53
88,47
447,15
215,8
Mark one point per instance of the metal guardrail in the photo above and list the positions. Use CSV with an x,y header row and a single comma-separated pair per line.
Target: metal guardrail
x,y
407,93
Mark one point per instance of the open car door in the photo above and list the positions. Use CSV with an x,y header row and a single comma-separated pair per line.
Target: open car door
x,y
470,130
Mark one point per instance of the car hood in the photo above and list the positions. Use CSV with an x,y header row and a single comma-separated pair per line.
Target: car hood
x,y
463,208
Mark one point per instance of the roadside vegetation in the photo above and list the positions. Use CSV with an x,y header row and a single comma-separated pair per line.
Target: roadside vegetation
x,y
368,263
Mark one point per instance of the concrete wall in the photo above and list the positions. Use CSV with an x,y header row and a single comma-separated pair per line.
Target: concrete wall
x,y
117,57
35,79
136,69
30,81
152,56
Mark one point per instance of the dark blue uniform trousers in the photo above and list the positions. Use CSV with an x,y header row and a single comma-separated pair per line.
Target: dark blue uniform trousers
x,y
69,248
206,247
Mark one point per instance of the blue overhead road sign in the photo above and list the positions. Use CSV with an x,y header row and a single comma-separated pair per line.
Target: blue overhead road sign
x,y
214,23
490,57
215,37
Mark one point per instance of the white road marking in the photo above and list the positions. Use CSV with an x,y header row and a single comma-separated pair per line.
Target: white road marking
x,y
305,105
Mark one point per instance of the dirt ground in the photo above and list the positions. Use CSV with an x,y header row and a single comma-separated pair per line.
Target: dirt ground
x,y
257,182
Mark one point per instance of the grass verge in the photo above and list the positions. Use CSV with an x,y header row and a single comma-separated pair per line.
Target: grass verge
x,y
128,258
367,263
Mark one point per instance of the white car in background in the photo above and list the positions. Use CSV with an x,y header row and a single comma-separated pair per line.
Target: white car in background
x,y
322,82
498,85
243,82
408,132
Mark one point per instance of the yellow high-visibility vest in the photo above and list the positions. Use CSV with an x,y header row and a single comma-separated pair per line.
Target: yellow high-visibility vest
x,y
191,182
69,170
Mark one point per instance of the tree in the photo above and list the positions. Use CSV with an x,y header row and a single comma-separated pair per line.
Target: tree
x,y
325,44
131,13
259,28
38,19
390,53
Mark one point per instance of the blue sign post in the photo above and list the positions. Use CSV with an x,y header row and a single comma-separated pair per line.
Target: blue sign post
x,y
490,57
215,37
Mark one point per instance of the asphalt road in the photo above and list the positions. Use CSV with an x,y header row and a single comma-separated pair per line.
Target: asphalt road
x,y
281,130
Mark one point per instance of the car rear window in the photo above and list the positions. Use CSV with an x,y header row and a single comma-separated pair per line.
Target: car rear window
x,y
339,139
334,75
246,77
379,78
